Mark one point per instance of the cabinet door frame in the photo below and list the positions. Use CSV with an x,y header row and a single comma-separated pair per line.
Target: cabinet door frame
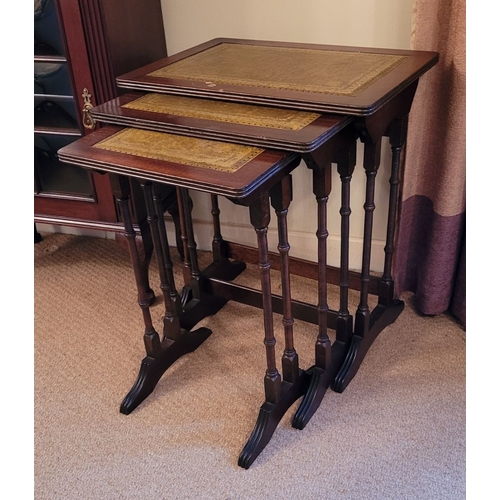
x,y
101,206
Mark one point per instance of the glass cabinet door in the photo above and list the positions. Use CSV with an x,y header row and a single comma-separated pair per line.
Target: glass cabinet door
x,y
56,118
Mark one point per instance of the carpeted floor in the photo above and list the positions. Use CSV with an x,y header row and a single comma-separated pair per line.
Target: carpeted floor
x,y
397,432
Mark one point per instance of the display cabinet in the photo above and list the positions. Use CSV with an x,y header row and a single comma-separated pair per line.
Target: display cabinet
x,y
80,49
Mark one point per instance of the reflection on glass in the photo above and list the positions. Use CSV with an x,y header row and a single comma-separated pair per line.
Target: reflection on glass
x,y
53,176
48,39
54,105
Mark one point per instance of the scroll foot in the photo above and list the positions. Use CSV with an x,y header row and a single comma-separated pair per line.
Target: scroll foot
x,y
152,369
269,417
320,380
381,317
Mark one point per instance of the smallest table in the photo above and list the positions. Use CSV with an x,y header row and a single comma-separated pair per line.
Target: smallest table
x,y
246,175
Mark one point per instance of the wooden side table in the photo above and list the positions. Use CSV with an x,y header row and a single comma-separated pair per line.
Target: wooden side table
x,y
374,86
312,102
246,175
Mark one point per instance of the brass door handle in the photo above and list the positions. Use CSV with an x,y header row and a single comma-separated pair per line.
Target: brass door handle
x,y
88,121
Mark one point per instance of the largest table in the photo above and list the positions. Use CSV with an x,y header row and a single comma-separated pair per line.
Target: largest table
x,y
348,93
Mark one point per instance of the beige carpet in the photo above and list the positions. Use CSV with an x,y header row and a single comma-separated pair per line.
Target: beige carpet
x,y
397,432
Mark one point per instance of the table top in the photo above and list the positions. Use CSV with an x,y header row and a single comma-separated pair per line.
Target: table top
x,y
232,170
322,78
262,126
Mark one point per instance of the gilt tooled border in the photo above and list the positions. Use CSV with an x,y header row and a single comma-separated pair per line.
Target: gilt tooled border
x,y
201,153
228,112
380,65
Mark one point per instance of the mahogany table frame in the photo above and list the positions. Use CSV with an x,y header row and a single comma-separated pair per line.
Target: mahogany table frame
x,y
264,178
337,362
381,110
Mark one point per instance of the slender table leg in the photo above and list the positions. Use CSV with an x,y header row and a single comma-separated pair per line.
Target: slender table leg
x,y
367,326
344,328
218,249
221,268
321,373
329,358
190,244
176,342
371,164
397,139
171,325
201,303
354,357
186,267
121,192
165,251
279,395
142,259
281,196
173,210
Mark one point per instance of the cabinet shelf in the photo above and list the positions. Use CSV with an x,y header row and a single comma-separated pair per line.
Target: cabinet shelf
x,y
49,117
74,132
57,59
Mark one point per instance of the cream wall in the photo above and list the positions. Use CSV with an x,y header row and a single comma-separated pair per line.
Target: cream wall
x,y
370,23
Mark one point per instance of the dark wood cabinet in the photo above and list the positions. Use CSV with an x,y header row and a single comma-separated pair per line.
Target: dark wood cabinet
x,y
81,46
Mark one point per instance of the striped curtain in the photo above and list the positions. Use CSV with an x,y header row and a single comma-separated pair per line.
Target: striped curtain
x,y
430,256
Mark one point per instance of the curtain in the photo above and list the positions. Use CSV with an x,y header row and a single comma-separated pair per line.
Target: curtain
x,y
430,255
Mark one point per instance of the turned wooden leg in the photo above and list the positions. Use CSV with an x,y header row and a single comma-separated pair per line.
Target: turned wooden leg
x,y
160,354
165,251
218,249
171,325
397,139
329,357
281,196
359,343
321,372
186,268
173,210
345,168
197,302
371,164
322,188
121,191
260,217
367,325
279,396
346,161
190,243
144,245
221,268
